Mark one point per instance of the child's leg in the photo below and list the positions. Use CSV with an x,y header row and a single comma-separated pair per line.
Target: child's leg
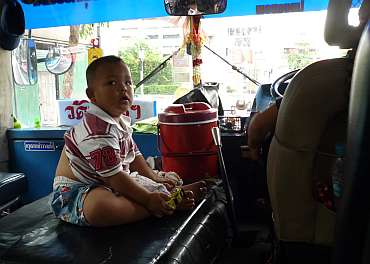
x,y
103,208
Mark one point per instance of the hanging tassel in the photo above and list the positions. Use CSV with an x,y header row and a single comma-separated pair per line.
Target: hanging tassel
x,y
194,41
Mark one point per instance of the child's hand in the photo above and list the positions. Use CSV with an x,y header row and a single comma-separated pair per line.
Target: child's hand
x,y
157,205
168,178
166,182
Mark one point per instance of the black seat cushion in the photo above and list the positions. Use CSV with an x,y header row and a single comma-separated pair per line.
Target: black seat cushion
x,y
33,235
12,185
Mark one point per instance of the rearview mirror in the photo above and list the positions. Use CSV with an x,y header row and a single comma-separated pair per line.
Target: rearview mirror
x,y
24,63
194,7
58,60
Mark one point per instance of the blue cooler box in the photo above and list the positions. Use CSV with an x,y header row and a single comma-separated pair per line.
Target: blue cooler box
x,y
36,152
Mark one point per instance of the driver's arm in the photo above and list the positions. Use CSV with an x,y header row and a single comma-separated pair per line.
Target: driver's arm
x,y
259,127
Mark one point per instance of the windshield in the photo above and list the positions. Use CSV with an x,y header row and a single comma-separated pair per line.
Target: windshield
x,y
262,46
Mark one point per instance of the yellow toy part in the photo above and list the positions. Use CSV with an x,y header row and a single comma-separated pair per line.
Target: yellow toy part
x,y
94,53
175,197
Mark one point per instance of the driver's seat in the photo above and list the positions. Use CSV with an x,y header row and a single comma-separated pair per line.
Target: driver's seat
x,y
312,119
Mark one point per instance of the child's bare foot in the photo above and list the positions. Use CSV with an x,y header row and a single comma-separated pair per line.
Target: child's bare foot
x,y
193,193
187,202
199,189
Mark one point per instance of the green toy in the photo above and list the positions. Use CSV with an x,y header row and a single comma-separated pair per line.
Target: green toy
x,y
176,197
16,123
37,123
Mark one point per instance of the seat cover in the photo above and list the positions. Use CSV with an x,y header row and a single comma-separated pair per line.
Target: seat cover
x,y
311,120
33,235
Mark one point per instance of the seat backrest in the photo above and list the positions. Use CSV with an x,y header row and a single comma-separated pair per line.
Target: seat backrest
x,y
311,120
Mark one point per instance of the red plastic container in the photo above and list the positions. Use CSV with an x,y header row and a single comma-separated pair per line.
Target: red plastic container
x,y
185,140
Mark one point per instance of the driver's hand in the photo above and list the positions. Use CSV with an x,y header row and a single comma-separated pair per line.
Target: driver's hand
x,y
252,153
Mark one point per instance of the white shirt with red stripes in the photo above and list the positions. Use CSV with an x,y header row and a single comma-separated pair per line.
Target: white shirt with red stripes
x,y
99,146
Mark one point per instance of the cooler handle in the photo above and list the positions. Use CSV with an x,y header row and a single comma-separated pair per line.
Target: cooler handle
x,y
183,108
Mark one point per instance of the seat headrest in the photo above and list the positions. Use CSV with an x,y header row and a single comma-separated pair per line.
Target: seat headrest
x,y
337,30
12,24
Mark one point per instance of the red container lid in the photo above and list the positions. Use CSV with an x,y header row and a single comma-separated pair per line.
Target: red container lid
x,y
187,114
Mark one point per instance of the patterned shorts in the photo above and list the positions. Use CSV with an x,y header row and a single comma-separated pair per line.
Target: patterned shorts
x,y
68,196
67,200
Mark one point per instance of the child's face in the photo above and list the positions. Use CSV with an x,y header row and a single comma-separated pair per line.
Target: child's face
x,y
111,89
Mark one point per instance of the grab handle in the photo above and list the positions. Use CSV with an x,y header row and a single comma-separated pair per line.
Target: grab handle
x,y
216,136
225,181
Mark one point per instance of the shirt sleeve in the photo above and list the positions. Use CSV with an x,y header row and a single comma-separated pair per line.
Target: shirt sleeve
x,y
136,148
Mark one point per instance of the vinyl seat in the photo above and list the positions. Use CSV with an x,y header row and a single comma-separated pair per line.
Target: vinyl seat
x,y
33,235
12,186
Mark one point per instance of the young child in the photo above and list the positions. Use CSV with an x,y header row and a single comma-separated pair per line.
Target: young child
x,y
101,178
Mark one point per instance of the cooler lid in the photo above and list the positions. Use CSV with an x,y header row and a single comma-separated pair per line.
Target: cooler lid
x,y
36,133
196,112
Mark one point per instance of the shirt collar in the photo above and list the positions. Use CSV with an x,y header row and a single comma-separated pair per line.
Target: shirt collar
x,y
125,121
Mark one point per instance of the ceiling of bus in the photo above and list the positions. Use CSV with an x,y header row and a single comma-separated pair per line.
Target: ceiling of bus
x,y
52,13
